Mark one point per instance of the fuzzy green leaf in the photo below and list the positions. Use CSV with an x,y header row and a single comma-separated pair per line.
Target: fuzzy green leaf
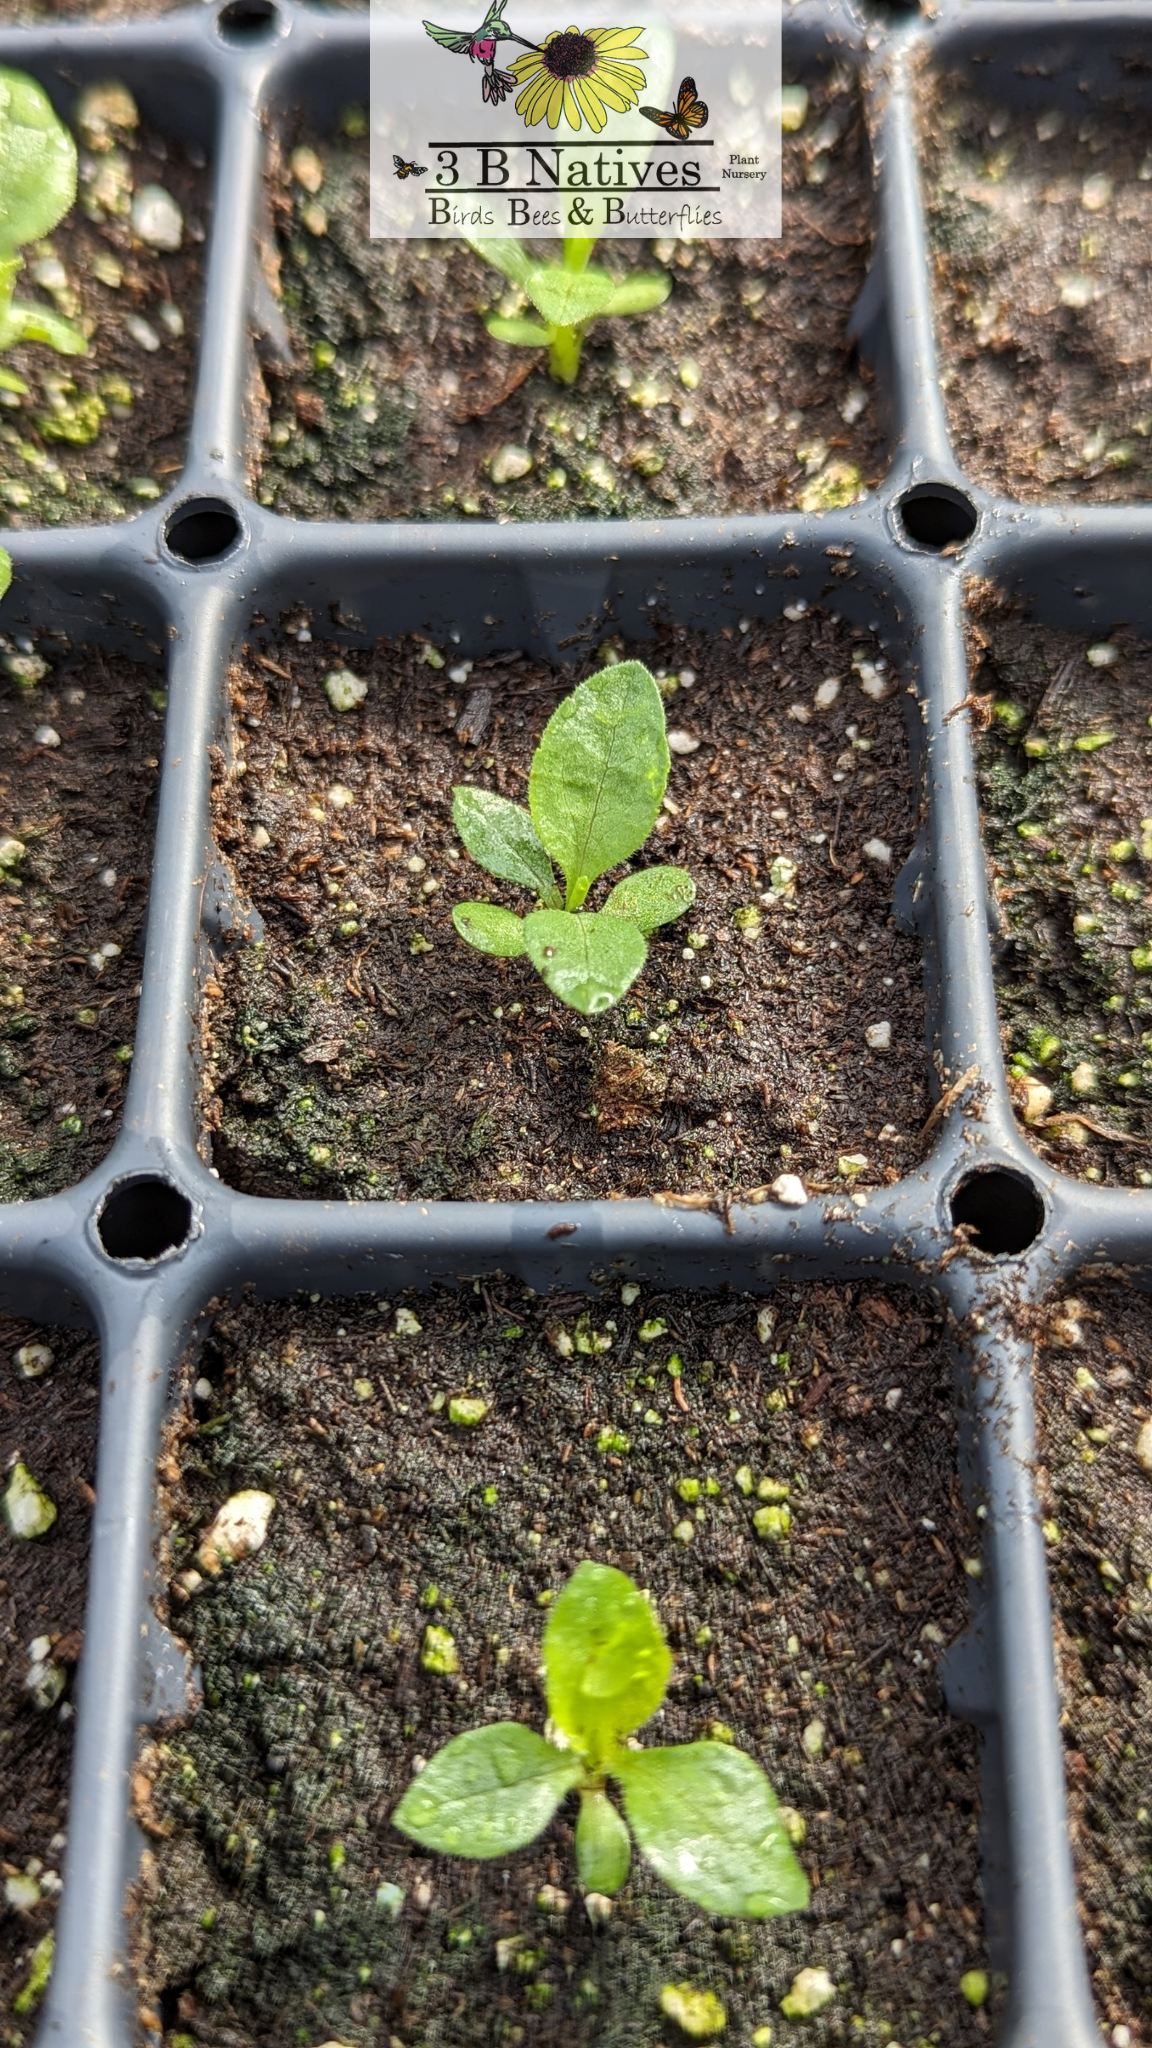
x,y
652,897
599,774
567,298
490,929
603,1845
514,259
640,294
706,1818
37,163
502,837
520,333
606,1659
487,1792
588,960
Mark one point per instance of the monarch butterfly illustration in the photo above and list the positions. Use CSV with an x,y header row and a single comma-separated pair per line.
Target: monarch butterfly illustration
x,y
404,170
690,113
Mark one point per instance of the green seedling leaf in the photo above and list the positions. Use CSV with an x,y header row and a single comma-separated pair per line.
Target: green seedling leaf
x,y
588,961
599,774
37,163
513,259
640,294
502,837
490,929
488,1792
5,570
568,298
707,1820
653,897
521,333
36,323
606,1659
603,1847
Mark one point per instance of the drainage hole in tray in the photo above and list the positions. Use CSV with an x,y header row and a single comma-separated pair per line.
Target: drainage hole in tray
x,y
247,21
936,516
202,530
143,1219
1001,1208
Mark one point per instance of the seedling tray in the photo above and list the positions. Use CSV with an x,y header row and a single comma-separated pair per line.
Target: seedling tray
x,y
144,1246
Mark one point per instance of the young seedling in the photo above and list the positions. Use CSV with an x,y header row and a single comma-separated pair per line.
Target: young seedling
x,y
594,791
702,1814
37,187
568,296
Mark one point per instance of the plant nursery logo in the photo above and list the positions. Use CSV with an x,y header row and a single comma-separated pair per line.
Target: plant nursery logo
x,y
519,126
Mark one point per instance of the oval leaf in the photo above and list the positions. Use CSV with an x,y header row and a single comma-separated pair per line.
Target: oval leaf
x,y
487,1793
502,837
599,774
588,960
520,333
37,163
490,929
705,1817
654,896
606,1658
603,1845
505,254
567,298
640,294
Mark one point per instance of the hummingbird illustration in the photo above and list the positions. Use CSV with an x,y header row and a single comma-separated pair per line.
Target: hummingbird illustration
x,y
479,45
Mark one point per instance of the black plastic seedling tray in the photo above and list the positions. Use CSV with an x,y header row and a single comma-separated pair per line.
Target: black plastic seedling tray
x,y
142,1247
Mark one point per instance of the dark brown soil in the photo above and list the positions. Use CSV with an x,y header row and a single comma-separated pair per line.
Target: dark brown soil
x,y
1093,1405
100,435
82,810
388,1519
416,400
50,1423
364,1050
1039,223
1069,835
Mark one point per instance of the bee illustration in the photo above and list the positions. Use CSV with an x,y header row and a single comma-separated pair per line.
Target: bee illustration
x,y
690,113
404,170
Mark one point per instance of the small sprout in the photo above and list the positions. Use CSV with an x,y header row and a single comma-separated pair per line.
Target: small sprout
x,y
851,1164
773,1523
811,1991
239,1528
744,1479
337,1858
438,1653
550,1899
654,1327
698,2014
1109,1572
762,2037
688,1490
1050,1532
1010,715
748,922
1141,957
1084,922
567,296
974,1987
467,1410
32,1990
1091,742
28,1509
12,852
614,1440
703,1814
773,1489
344,690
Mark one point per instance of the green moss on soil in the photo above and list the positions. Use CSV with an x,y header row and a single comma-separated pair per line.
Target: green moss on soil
x,y
262,1910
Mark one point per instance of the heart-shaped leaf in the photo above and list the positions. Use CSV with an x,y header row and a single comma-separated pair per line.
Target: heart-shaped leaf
x,y
490,929
588,960
706,1818
488,1792
567,298
654,896
520,333
599,774
502,837
37,163
640,294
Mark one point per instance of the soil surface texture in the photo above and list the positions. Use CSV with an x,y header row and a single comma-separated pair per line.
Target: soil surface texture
x,y
267,1913
1066,791
49,1422
401,406
96,437
1096,1452
77,779
364,1050
1039,222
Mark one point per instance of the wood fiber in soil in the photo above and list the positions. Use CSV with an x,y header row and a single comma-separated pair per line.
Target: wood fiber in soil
x,y
364,1050
1042,293
50,1423
50,474
1100,1500
83,811
1079,989
316,1701
768,409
